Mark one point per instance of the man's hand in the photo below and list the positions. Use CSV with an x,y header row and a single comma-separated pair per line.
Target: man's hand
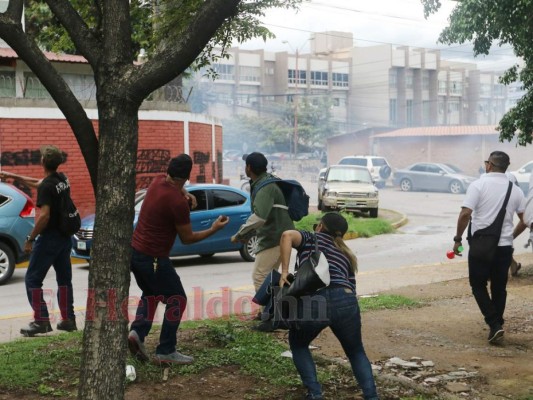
x,y
456,246
28,246
220,222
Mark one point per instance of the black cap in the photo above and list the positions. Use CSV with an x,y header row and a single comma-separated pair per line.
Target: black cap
x,y
257,161
335,224
180,167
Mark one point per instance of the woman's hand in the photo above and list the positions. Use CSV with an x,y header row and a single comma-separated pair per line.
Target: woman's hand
x,y
283,280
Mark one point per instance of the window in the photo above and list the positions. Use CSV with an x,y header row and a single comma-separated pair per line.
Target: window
x,y
302,77
225,198
409,79
82,86
7,84
319,78
393,107
409,112
484,89
425,80
249,74
433,169
426,112
33,88
353,161
393,78
456,87
419,168
225,71
201,198
443,87
339,80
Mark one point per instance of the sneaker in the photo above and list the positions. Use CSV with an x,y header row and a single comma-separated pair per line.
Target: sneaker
x,y
35,327
136,347
68,325
496,333
515,267
173,358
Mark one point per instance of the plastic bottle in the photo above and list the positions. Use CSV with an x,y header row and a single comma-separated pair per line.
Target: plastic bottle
x,y
451,254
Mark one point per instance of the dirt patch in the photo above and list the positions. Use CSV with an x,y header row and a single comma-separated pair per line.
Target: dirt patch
x,y
443,341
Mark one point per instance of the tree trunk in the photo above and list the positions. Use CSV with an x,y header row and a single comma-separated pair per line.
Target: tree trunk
x,y
102,370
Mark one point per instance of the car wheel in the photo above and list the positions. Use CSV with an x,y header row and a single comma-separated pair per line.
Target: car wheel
x,y
384,172
207,255
245,187
248,250
406,185
373,213
456,187
7,263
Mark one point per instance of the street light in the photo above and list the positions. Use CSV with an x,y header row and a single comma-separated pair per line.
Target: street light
x,y
295,97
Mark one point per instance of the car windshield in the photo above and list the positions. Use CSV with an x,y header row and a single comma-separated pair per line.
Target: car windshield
x,y
349,175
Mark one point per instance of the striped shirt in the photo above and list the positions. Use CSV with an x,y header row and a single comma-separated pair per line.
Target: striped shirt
x,y
340,269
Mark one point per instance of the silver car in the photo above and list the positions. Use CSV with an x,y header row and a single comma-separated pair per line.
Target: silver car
x,y
433,177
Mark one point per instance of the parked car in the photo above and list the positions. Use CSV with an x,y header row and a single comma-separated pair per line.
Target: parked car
x,y
213,200
17,217
432,176
378,167
523,174
348,188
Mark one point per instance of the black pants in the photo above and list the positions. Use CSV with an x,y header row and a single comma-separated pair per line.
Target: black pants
x,y
492,306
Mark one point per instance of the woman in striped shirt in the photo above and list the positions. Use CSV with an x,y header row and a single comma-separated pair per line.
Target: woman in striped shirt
x,y
335,306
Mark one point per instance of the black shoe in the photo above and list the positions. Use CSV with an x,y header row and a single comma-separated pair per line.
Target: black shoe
x,y
309,396
496,333
265,326
36,327
68,325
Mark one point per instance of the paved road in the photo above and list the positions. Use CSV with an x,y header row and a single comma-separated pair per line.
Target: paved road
x,y
414,254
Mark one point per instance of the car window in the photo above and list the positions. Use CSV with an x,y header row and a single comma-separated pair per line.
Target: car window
x,y
3,200
226,198
353,161
419,168
433,169
201,199
452,168
379,162
529,167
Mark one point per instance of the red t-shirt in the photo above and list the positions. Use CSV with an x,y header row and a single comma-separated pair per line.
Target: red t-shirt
x,y
163,208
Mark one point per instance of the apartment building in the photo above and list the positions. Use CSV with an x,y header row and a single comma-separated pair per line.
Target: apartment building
x,y
383,85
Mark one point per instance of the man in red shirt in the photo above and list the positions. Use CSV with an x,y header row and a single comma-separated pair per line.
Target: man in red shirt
x,y
164,213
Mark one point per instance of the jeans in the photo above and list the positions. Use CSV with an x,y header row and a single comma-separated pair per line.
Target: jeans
x,y
50,249
479,273
163,285
338,309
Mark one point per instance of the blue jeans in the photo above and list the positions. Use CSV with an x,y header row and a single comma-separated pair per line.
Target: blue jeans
x,y
50,249
163,285
479,273
339,310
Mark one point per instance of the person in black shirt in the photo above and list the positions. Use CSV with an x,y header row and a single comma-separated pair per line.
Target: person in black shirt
x,y
48,246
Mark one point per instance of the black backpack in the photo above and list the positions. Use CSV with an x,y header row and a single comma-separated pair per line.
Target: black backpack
x,y
69,221
295,197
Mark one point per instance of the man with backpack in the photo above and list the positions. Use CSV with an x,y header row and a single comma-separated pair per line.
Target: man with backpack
x,y
269,219
49,246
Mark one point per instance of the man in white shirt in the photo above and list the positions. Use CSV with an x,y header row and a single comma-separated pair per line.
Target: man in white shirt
x,y
484,199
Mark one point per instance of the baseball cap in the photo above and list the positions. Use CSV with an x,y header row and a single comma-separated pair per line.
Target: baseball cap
x,y
256,160
180,167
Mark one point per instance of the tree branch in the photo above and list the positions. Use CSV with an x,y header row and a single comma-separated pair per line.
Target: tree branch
x,y
12,33
82,36
172,60
15,9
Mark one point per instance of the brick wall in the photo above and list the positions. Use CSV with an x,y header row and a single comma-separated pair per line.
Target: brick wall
x,y
159,141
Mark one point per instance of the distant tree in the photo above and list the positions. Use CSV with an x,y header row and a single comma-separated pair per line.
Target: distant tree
x,y
501,22
184,33
275,132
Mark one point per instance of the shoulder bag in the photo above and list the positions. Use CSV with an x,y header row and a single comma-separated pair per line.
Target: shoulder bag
x,y
484,242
